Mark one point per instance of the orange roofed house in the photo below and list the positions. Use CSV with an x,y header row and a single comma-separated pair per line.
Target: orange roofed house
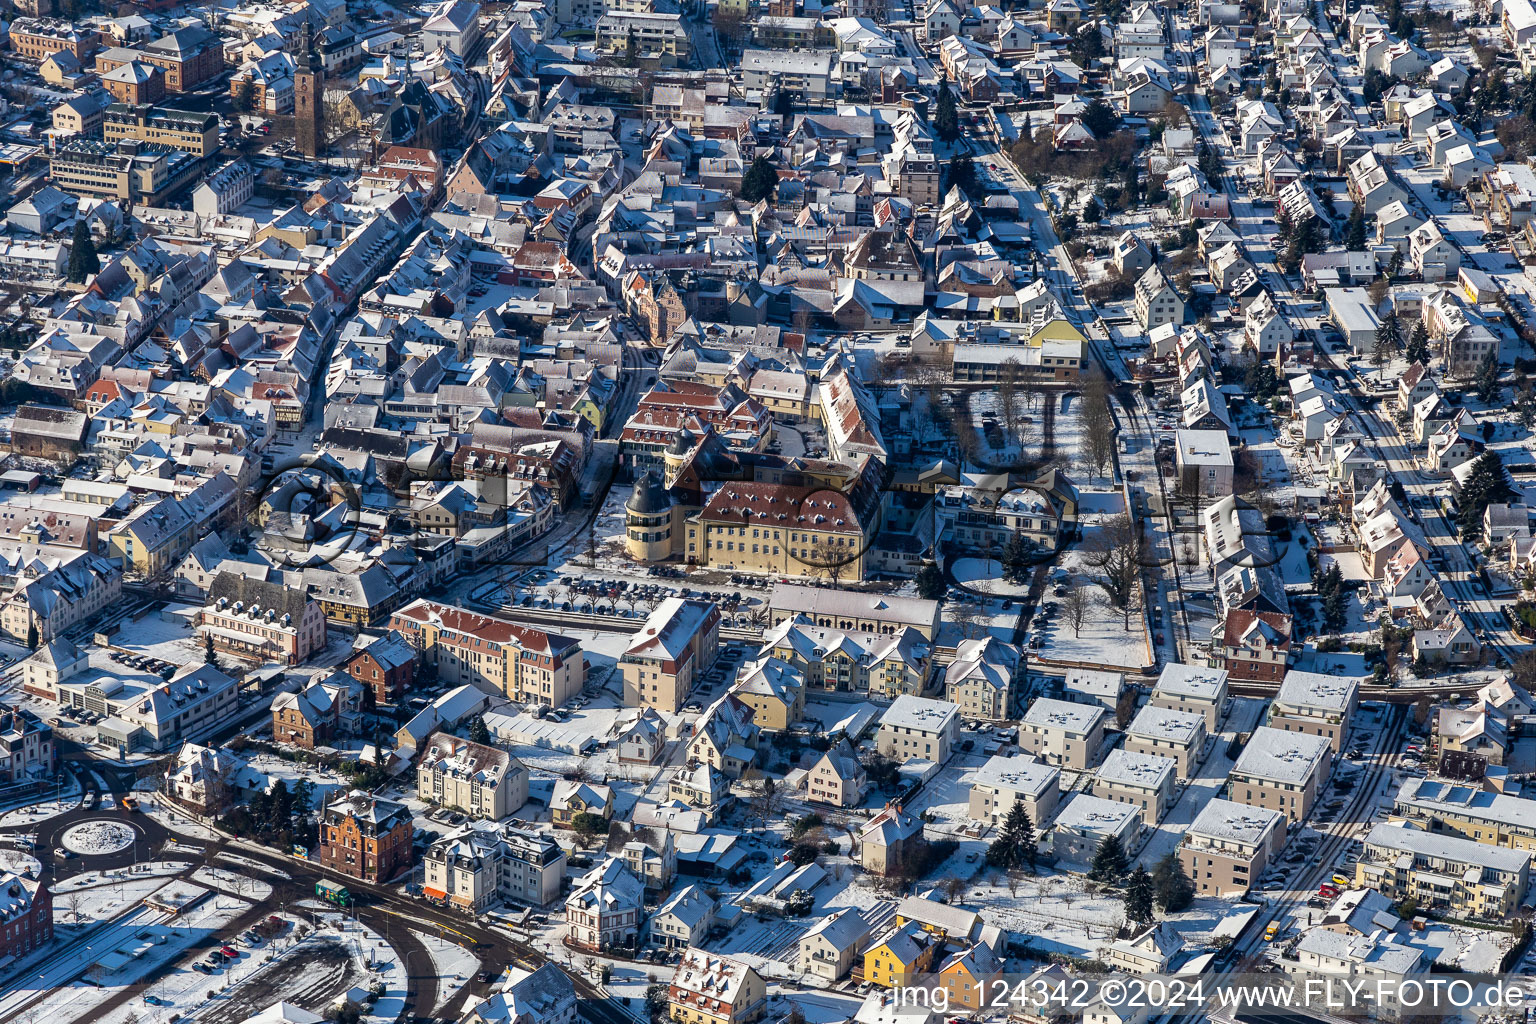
x,y
461,646
401,162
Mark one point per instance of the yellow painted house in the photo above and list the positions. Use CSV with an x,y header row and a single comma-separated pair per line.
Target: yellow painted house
x,y
1056,329
968,976
775,691
900,957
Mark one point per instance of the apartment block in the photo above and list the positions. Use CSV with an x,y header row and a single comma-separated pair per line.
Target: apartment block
x,y
1281,771
1144,780
1458,877
671,652
1495,818
916,727
529,665
1062,733
1196,689
1229,845
1316,705
1005,781
1161,732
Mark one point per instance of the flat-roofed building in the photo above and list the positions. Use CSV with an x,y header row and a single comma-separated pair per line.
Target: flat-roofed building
x,y
1084,822
1143,780
1228,846
1282,771
1094,686
1455,876
1062,733
1163,732
1005,781
1495,818
1316,704
804,74
1194,688
916,727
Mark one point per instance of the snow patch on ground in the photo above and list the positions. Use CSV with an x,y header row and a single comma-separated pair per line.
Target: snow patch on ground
x,y
98,838
454,965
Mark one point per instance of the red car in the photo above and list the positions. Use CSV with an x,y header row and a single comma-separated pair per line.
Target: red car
x,y
229,952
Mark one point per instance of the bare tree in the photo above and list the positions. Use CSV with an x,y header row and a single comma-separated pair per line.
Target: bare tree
x,y
1115,549
1075,604
1008,395
831,559
969,618
1098,424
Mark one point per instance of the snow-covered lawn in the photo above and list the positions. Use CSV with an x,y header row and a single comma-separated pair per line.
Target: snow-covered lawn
x,y
98,838
19,862
233,882
41,811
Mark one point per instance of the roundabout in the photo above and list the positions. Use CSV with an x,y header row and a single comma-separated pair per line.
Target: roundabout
x,y
98,838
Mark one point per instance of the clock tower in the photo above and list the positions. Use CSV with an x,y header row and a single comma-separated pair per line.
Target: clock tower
x,y
308,90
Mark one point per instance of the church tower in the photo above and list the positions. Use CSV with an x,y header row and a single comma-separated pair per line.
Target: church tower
x,y
308,90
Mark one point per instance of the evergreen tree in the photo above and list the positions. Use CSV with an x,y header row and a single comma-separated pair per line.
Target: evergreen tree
x,y
761,181
1175,891
930,582
209,658
1488,377
1138,897
83,261
1485,484
1109,861
478,733
1283,227
245,95
1386,339
946,122
1015,844
1335,597
962,175
1418,344
32,637
631,50
1354,234
1016,558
